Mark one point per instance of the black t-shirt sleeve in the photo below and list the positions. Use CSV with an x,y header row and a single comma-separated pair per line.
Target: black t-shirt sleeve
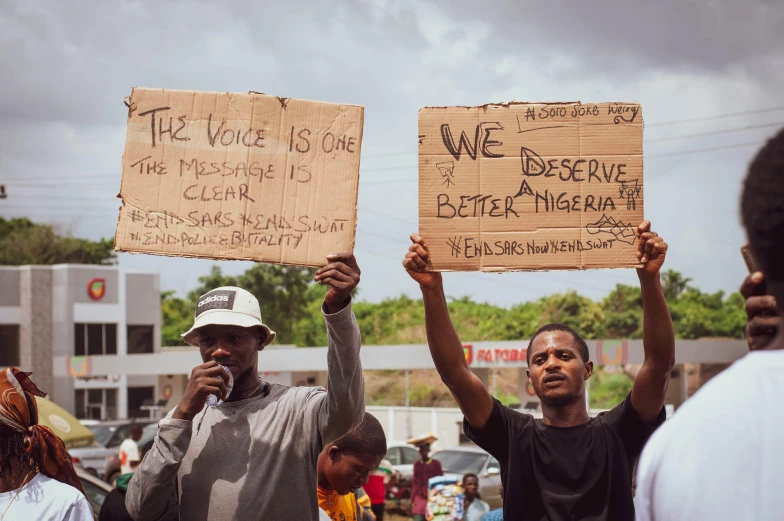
x,y
502,426
631,429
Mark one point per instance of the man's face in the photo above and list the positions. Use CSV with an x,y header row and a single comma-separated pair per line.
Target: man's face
x,y
348,472
557,371
424,451
232,346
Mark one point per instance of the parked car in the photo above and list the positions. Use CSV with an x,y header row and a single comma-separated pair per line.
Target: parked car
x,y
463,460
112,463
95,490
402,456
91,459
111,434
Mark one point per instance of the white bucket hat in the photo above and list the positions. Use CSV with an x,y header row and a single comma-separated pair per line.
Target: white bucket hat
x,y
226,306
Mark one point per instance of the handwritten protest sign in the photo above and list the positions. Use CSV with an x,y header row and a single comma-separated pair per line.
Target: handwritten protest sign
x,y
239,176
531,186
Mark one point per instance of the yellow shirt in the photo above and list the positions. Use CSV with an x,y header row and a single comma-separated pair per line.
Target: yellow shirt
x,y
339,508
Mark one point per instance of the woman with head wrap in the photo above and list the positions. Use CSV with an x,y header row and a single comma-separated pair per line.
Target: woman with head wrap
x,y
37,478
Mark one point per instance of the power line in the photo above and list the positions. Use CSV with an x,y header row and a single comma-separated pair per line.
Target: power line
x,y
714,117
714,132
391,217
701,150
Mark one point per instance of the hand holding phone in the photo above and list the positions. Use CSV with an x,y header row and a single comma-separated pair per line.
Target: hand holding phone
x,y
753,266
763,320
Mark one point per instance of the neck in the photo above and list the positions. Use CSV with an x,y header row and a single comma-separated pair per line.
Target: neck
x,y
322,481
15,476
321,476
569,415
244,387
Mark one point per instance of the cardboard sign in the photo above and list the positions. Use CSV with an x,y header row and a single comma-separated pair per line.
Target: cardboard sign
x,y
531,186
239,176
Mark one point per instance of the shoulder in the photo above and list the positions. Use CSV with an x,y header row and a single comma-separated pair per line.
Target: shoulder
x,y
728,403
513,420
736,396
294,395
625,415
719,419
502,420
59,492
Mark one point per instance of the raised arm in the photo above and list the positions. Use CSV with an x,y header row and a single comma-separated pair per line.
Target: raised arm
x,y
650,387
445,346
343,407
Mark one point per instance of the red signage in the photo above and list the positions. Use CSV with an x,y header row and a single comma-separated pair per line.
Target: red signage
x,y
96,288
501,355
468,351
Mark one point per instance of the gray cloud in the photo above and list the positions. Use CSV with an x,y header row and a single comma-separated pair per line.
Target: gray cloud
x,y
613,35
68,65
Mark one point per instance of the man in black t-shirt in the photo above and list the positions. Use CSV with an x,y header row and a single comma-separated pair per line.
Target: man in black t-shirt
x,y
567,466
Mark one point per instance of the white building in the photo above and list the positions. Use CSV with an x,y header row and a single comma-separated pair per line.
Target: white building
x,y
75,314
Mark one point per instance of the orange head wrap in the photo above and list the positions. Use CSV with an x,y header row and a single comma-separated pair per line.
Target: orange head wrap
x,y
19,412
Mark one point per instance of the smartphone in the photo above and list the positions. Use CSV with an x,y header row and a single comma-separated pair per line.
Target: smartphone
x,y
753,266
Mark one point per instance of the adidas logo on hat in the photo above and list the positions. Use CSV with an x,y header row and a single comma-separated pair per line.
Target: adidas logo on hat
x,y
226,306
214,298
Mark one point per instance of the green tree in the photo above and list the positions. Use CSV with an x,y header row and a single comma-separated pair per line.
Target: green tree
x,y
609,389
177,318
579,313
25,242
623,312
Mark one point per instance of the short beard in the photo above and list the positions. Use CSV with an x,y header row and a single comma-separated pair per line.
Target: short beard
x,y
556,402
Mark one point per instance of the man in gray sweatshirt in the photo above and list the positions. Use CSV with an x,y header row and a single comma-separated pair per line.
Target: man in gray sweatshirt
x,y
252,457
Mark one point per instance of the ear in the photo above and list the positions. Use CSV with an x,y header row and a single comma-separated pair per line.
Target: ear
x,y
262,337
334,453
588,369
528,374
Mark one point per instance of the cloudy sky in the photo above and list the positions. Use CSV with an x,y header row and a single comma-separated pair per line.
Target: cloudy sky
x,y
719,64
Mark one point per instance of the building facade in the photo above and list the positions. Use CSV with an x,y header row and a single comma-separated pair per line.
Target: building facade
x,y
81,313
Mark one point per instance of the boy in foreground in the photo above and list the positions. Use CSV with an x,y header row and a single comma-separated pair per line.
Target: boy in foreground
x,y
345,466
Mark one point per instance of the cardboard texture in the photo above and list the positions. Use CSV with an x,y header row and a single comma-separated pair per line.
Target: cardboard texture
x,y
531,186
239,176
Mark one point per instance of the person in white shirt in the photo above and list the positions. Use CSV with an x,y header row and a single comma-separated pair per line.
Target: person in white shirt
x,y
130,455
37,478
719,458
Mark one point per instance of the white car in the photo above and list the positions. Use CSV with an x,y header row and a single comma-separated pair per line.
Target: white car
x,y
402,456
464,460
92,459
